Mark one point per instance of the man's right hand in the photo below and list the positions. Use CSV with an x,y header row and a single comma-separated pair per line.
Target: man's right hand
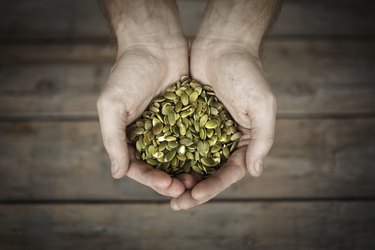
x,y
140,73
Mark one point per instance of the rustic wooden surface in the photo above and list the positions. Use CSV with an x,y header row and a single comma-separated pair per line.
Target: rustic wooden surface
x,y
219,226
66,160
317,191
48,20
309,77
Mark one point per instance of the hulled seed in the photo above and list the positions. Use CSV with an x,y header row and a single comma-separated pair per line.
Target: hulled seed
x,y
186,129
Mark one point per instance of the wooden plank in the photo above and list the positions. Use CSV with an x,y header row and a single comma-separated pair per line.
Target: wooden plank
x,y
70,19
308,77
66,160
259,226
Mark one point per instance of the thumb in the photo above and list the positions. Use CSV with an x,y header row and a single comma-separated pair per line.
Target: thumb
x,y
256,153
261,139
112,117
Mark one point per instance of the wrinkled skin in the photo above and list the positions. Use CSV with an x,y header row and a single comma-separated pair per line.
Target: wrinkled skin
x,y
237,77
144,71
140,73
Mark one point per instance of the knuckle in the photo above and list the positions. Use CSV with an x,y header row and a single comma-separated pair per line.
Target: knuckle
x,y
268,142
271,100
103,102
108,142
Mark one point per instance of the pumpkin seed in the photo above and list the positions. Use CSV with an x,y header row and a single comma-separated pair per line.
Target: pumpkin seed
x,y
170,138
152,162
185,130
212,124
194,96
235,136
209,162
169,156
170,96
138,131
157,129
158,154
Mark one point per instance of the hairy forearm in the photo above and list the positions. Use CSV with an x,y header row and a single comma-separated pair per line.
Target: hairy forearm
x,y
239,21
144,22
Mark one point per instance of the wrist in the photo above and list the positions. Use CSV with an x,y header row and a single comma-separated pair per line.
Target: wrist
x,y
165,48
126,41
145,22
219,45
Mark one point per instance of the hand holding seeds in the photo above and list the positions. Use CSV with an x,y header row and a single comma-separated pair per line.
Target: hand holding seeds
x,y
187,131
240,84
135,79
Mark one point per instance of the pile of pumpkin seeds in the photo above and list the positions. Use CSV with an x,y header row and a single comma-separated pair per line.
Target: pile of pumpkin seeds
x,y
186,129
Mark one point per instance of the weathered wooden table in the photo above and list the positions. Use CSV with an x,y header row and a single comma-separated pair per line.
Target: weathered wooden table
x,y
318,189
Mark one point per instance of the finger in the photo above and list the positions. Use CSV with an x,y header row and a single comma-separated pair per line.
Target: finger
x,y
185,201
156,179
232,171
112,117
261,137
174,190
189,180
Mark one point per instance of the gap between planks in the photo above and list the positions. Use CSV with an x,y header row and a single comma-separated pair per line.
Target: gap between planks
x,y
166,201
94,117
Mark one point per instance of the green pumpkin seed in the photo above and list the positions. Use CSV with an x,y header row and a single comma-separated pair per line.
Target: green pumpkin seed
x,y
215,149
174,162
140,123
170,138
159,99
185,130
234,146
235,136
182,129
184,99
172,144
178,107
196,169
138,131
152,162
187,168
212,124
158,154
166,108
229,123
172,117
181,157
181,150
162,146
189,155
209,162
154,109
203,120
187,112
194,96
170,155
184,78
202,134
157,129
170,96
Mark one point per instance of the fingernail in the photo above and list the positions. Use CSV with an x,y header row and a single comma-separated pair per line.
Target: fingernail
x,y
259,167
114,168
174,205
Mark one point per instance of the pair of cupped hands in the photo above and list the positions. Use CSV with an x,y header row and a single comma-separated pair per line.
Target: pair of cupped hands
x,y
142,71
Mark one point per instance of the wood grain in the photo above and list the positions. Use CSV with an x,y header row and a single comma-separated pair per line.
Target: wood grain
x,y
259,226
81,20
318,188
66,160
308,77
